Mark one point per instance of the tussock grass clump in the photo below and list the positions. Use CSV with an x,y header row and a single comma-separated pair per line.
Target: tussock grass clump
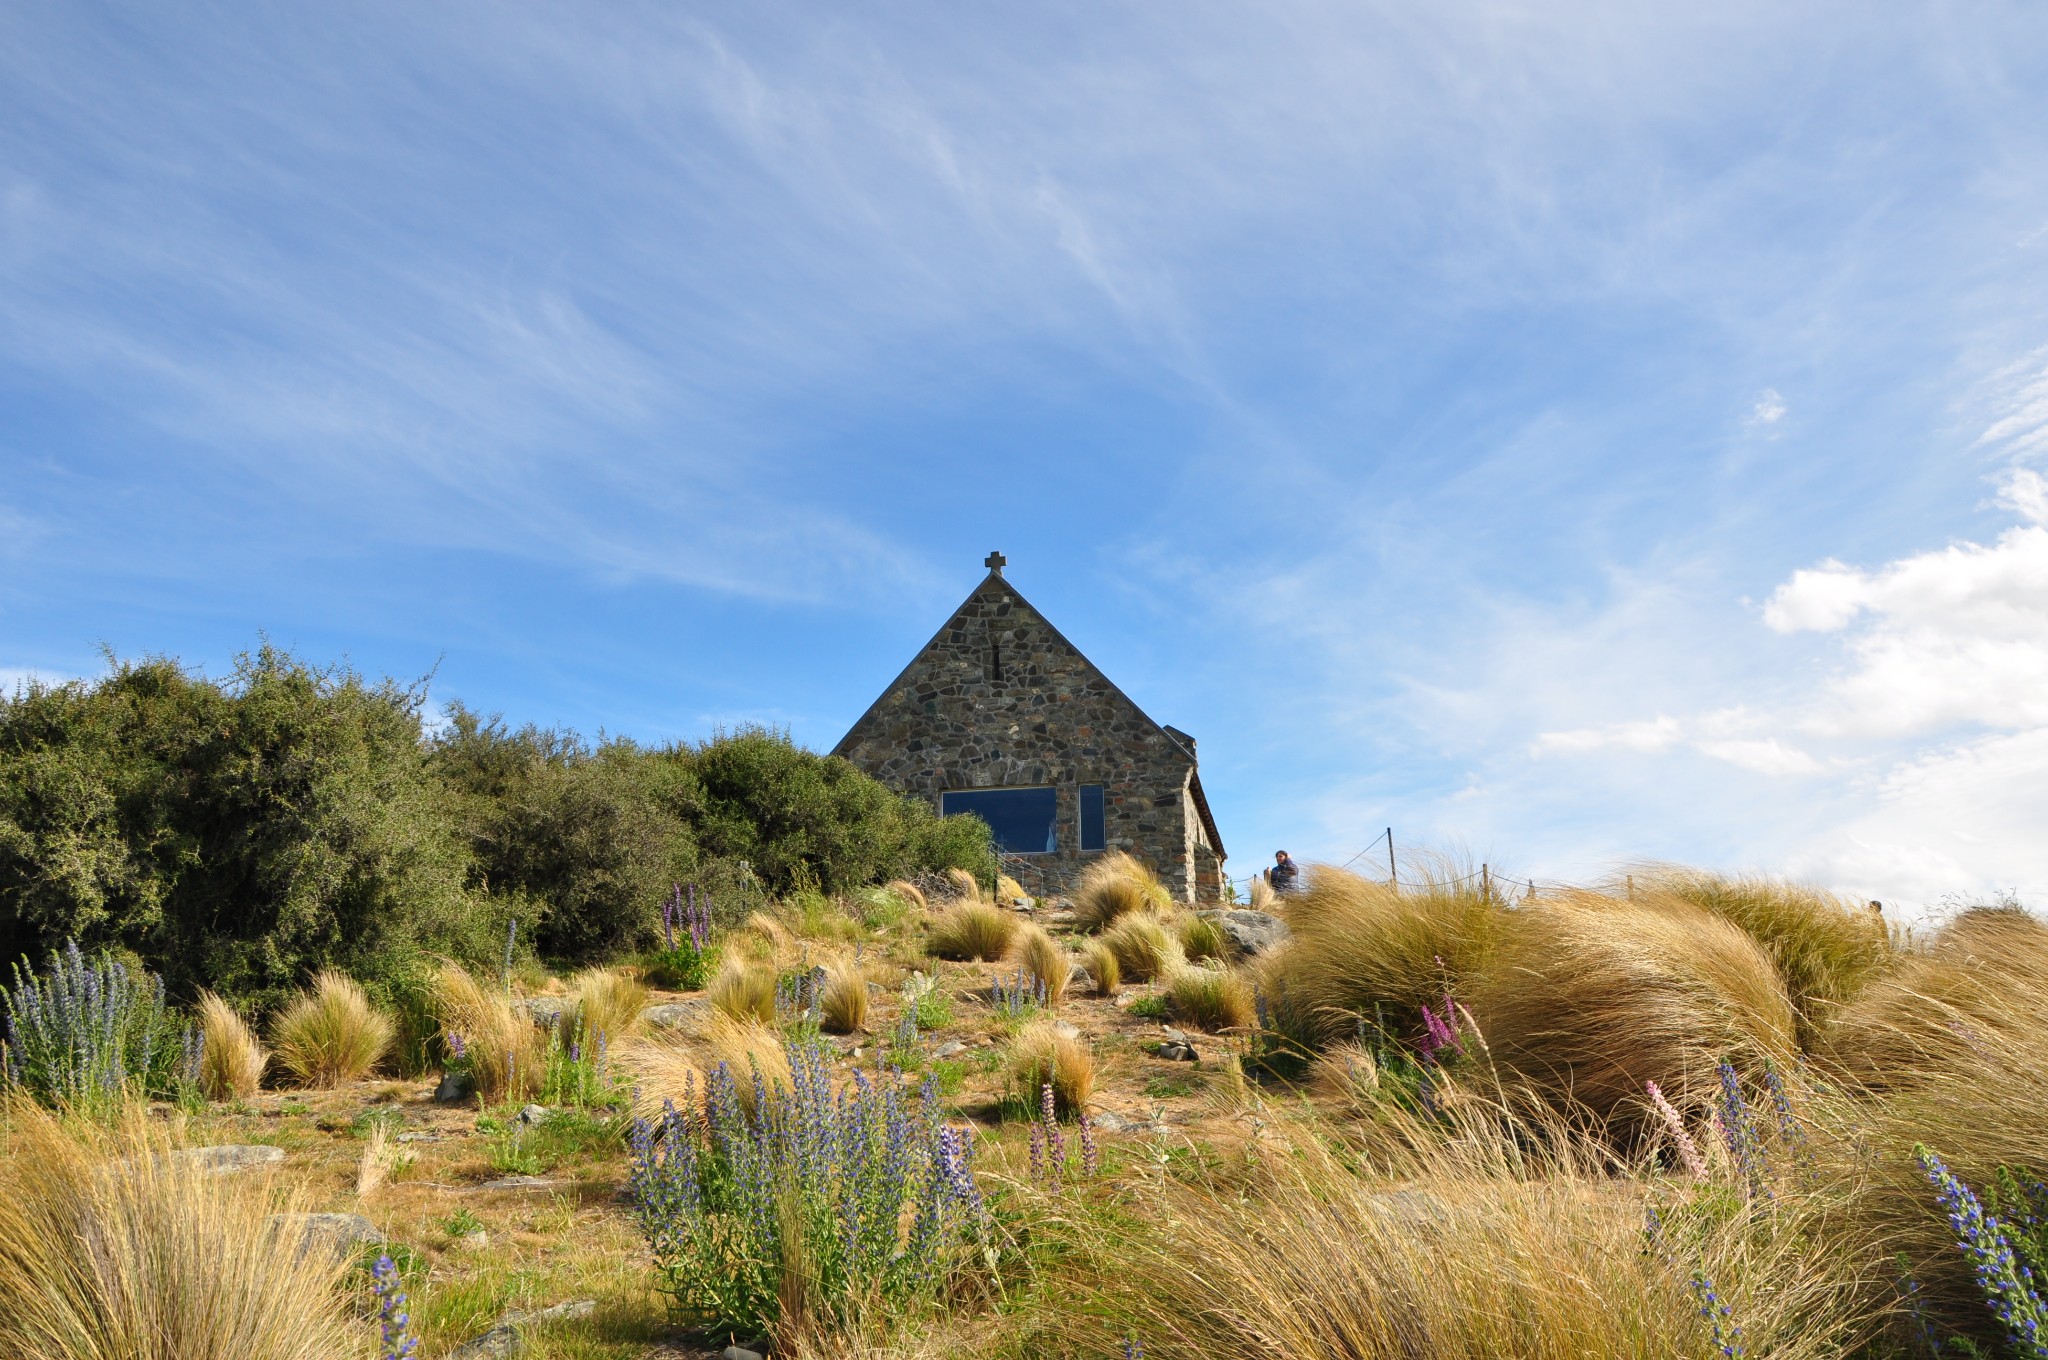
x,y
505,1052
607,1003
1115,886
331,1034
231,1062
1103,968
1043,1055
1212,999
666,1069
154,1259
763,938
1479,1246
1009,889
1201,937
971,930
1826,947
1979,985
1587,998
909,892
744,991
963,885
1357,944
1143,947
1347,1073
1039,955
844,1005
1262,895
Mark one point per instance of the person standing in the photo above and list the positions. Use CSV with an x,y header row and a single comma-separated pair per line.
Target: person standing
x,y
1285,875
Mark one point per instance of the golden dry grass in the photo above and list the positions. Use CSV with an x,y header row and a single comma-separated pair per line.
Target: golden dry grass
x,y
1041,956
1346,1074
664,1068
1588,997
963,885
1262,896
1212,999
331,1034
971,930
908,892
744,991
1201,937
1358,944
607,1002
1828,948
844,1005
1041,1055
1143,946
1114,886
232,1061
153,1259
506,1053
1103,968
1009,889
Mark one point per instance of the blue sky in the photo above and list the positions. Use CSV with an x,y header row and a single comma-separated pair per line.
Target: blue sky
x,y
1570,433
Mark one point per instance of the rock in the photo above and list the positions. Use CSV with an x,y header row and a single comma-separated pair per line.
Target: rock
x,y
519,1183
533,1114
454,1088
418,1137
1176,1046
683,1015
1066,1030
738,1353
228,1158
337,1235
948,1049
542,1010
1109,1121
1252,932
506,1339
476,1241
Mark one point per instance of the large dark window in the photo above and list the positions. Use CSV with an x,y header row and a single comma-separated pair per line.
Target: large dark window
x,y
1092,835
1026,821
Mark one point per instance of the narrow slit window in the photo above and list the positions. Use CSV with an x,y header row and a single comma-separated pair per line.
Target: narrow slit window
x,y
1025,821
995,657
1093,833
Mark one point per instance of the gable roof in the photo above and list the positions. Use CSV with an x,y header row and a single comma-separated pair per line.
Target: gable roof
x,y
1179,740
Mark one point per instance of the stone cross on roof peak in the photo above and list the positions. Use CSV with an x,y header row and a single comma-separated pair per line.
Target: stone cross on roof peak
x,y
995,562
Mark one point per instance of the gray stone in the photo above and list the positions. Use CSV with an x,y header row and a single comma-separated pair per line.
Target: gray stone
x,y
683,1015
507,1339
520,1183
454,1088
1177,1046
542,1010
738,1353
1253,932
337,1235
534,1114
418,1137
228,1158
949,1048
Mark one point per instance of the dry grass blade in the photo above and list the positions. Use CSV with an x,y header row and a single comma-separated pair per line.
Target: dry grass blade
x,y
1202,937
667,1070
1044,1055
331,1034
607,1003
505,1051
1586,999
963,885
844,1005
1039,955
1262,894
971,930
1143,947
1114,886
231,1062
744,991
1212,999
1010,890
906,891
153,1259
1358,944
1103,968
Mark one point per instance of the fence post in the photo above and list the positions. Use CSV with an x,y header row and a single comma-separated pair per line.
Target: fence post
x,y
1393,874
1485,883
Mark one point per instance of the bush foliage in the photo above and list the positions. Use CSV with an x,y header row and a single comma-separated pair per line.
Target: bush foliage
x,y
242,834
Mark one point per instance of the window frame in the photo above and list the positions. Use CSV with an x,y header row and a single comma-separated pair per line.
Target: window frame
x,y
1053,826
1081,844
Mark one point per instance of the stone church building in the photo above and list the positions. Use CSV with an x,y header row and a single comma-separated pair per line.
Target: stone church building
x,y
1001,716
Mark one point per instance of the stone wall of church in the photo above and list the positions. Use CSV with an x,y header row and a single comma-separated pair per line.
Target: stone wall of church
x,y
1000,700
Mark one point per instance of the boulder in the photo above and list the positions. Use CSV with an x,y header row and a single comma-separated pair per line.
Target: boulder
x,y
738,1353
948,1049
544,1011
455,1088
336,1235
1252,932
683,1015
506,1340
229,1158
533,1114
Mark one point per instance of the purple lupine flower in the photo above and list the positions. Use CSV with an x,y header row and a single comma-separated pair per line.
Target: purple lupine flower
x,y
1719,1316
1738,1128
1091,1159
393,1320
2007,1284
